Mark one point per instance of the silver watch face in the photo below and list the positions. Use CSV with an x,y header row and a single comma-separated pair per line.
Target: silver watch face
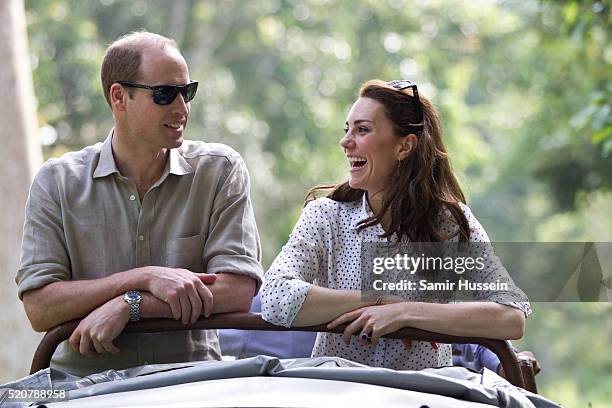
x,y
132,296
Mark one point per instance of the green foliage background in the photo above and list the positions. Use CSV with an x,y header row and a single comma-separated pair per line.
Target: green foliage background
x,y
523,88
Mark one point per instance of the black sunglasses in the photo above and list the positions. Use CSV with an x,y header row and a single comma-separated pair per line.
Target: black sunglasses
x,y
400,85
165,94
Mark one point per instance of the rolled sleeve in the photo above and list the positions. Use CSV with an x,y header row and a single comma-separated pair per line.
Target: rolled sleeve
x,y
233,243
294,270
44,258
494,270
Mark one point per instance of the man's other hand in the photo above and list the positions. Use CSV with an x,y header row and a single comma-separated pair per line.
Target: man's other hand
x,y
184,291
95,333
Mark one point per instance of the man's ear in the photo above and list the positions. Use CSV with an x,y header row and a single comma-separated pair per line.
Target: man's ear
x,y
118,96
407,146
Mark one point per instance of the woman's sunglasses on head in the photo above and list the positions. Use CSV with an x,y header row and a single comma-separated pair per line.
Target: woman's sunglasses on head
x,y
165,94
400,85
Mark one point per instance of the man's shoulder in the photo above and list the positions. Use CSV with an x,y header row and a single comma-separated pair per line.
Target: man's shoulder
x,y
73,161
198,150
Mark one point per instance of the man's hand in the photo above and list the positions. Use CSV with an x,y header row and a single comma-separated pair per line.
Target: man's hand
x,y
184,291
95,333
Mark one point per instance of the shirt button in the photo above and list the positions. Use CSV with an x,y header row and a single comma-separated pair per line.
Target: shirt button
x,y
141,237
132,197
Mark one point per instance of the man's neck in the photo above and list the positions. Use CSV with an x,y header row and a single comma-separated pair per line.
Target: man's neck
x,y
142,165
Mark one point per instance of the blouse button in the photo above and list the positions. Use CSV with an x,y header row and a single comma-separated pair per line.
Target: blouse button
x,y
132,197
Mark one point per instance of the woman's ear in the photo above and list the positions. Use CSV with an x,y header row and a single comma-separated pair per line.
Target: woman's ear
x,y
407,146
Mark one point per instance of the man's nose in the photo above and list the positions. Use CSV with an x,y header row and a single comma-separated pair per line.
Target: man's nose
x,y
179,105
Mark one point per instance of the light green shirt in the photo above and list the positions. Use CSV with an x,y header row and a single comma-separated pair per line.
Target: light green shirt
x,y
84,220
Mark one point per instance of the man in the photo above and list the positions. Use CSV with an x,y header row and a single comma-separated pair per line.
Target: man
x,y
142,225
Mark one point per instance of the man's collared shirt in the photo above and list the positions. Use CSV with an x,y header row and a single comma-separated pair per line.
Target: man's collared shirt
x,y
84,220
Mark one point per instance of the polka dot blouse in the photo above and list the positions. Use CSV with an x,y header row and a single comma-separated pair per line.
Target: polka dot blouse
x,y
324,249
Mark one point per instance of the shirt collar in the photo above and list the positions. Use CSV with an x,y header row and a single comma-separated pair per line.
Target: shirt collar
x,y
106,165
178,164
363,212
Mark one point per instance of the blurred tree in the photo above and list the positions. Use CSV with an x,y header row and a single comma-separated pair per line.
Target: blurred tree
x,y
523,97
20,156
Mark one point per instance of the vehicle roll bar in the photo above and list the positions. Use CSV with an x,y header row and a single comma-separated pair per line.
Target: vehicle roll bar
x,y
518,372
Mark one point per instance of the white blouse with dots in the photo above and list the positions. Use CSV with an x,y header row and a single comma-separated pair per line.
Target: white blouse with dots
x,y
325,249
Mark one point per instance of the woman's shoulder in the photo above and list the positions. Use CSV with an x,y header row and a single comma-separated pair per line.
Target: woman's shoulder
x,y
467,211
449,224
326,204
332,211
446,215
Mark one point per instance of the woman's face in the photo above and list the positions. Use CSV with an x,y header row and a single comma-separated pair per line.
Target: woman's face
x,y
370,146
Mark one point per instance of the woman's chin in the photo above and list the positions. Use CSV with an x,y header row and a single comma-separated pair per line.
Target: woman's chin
x,y
355,184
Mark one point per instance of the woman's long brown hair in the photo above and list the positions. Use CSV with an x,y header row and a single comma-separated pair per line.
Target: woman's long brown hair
x,y
424,184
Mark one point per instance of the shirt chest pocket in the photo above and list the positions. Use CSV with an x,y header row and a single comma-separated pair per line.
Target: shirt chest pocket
x,y
185,253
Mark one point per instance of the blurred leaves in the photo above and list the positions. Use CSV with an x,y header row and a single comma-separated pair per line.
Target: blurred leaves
x,y
523,88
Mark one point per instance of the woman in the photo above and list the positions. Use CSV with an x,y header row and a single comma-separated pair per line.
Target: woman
x,y
400,188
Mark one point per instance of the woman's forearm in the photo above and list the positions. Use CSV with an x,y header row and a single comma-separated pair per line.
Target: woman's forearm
x,y
323,305
472,319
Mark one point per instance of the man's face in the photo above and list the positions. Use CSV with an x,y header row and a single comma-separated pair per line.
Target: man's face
x,y
158,126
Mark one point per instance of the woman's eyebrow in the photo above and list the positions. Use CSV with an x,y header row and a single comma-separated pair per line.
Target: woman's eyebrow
x,y
358,121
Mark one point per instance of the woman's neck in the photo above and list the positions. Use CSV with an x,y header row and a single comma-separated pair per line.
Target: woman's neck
x,y
375,201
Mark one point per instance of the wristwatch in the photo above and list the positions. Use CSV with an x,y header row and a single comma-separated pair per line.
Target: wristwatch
x,y
132,298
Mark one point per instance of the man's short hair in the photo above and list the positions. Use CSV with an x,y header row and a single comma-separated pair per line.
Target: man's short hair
x,y
122,58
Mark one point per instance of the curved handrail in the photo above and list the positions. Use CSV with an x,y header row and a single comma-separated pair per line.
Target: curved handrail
x,y
252,321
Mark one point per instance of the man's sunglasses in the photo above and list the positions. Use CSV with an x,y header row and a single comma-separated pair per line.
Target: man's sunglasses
x,y
165,94
400,85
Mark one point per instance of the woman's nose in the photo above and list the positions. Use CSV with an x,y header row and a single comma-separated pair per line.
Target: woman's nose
x,y
346,140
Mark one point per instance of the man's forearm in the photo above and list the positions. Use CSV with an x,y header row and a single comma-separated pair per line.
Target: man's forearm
x,y
59,302
152,308
232,293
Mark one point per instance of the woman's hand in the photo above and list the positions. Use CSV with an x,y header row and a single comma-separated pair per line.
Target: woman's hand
x,y
374,321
